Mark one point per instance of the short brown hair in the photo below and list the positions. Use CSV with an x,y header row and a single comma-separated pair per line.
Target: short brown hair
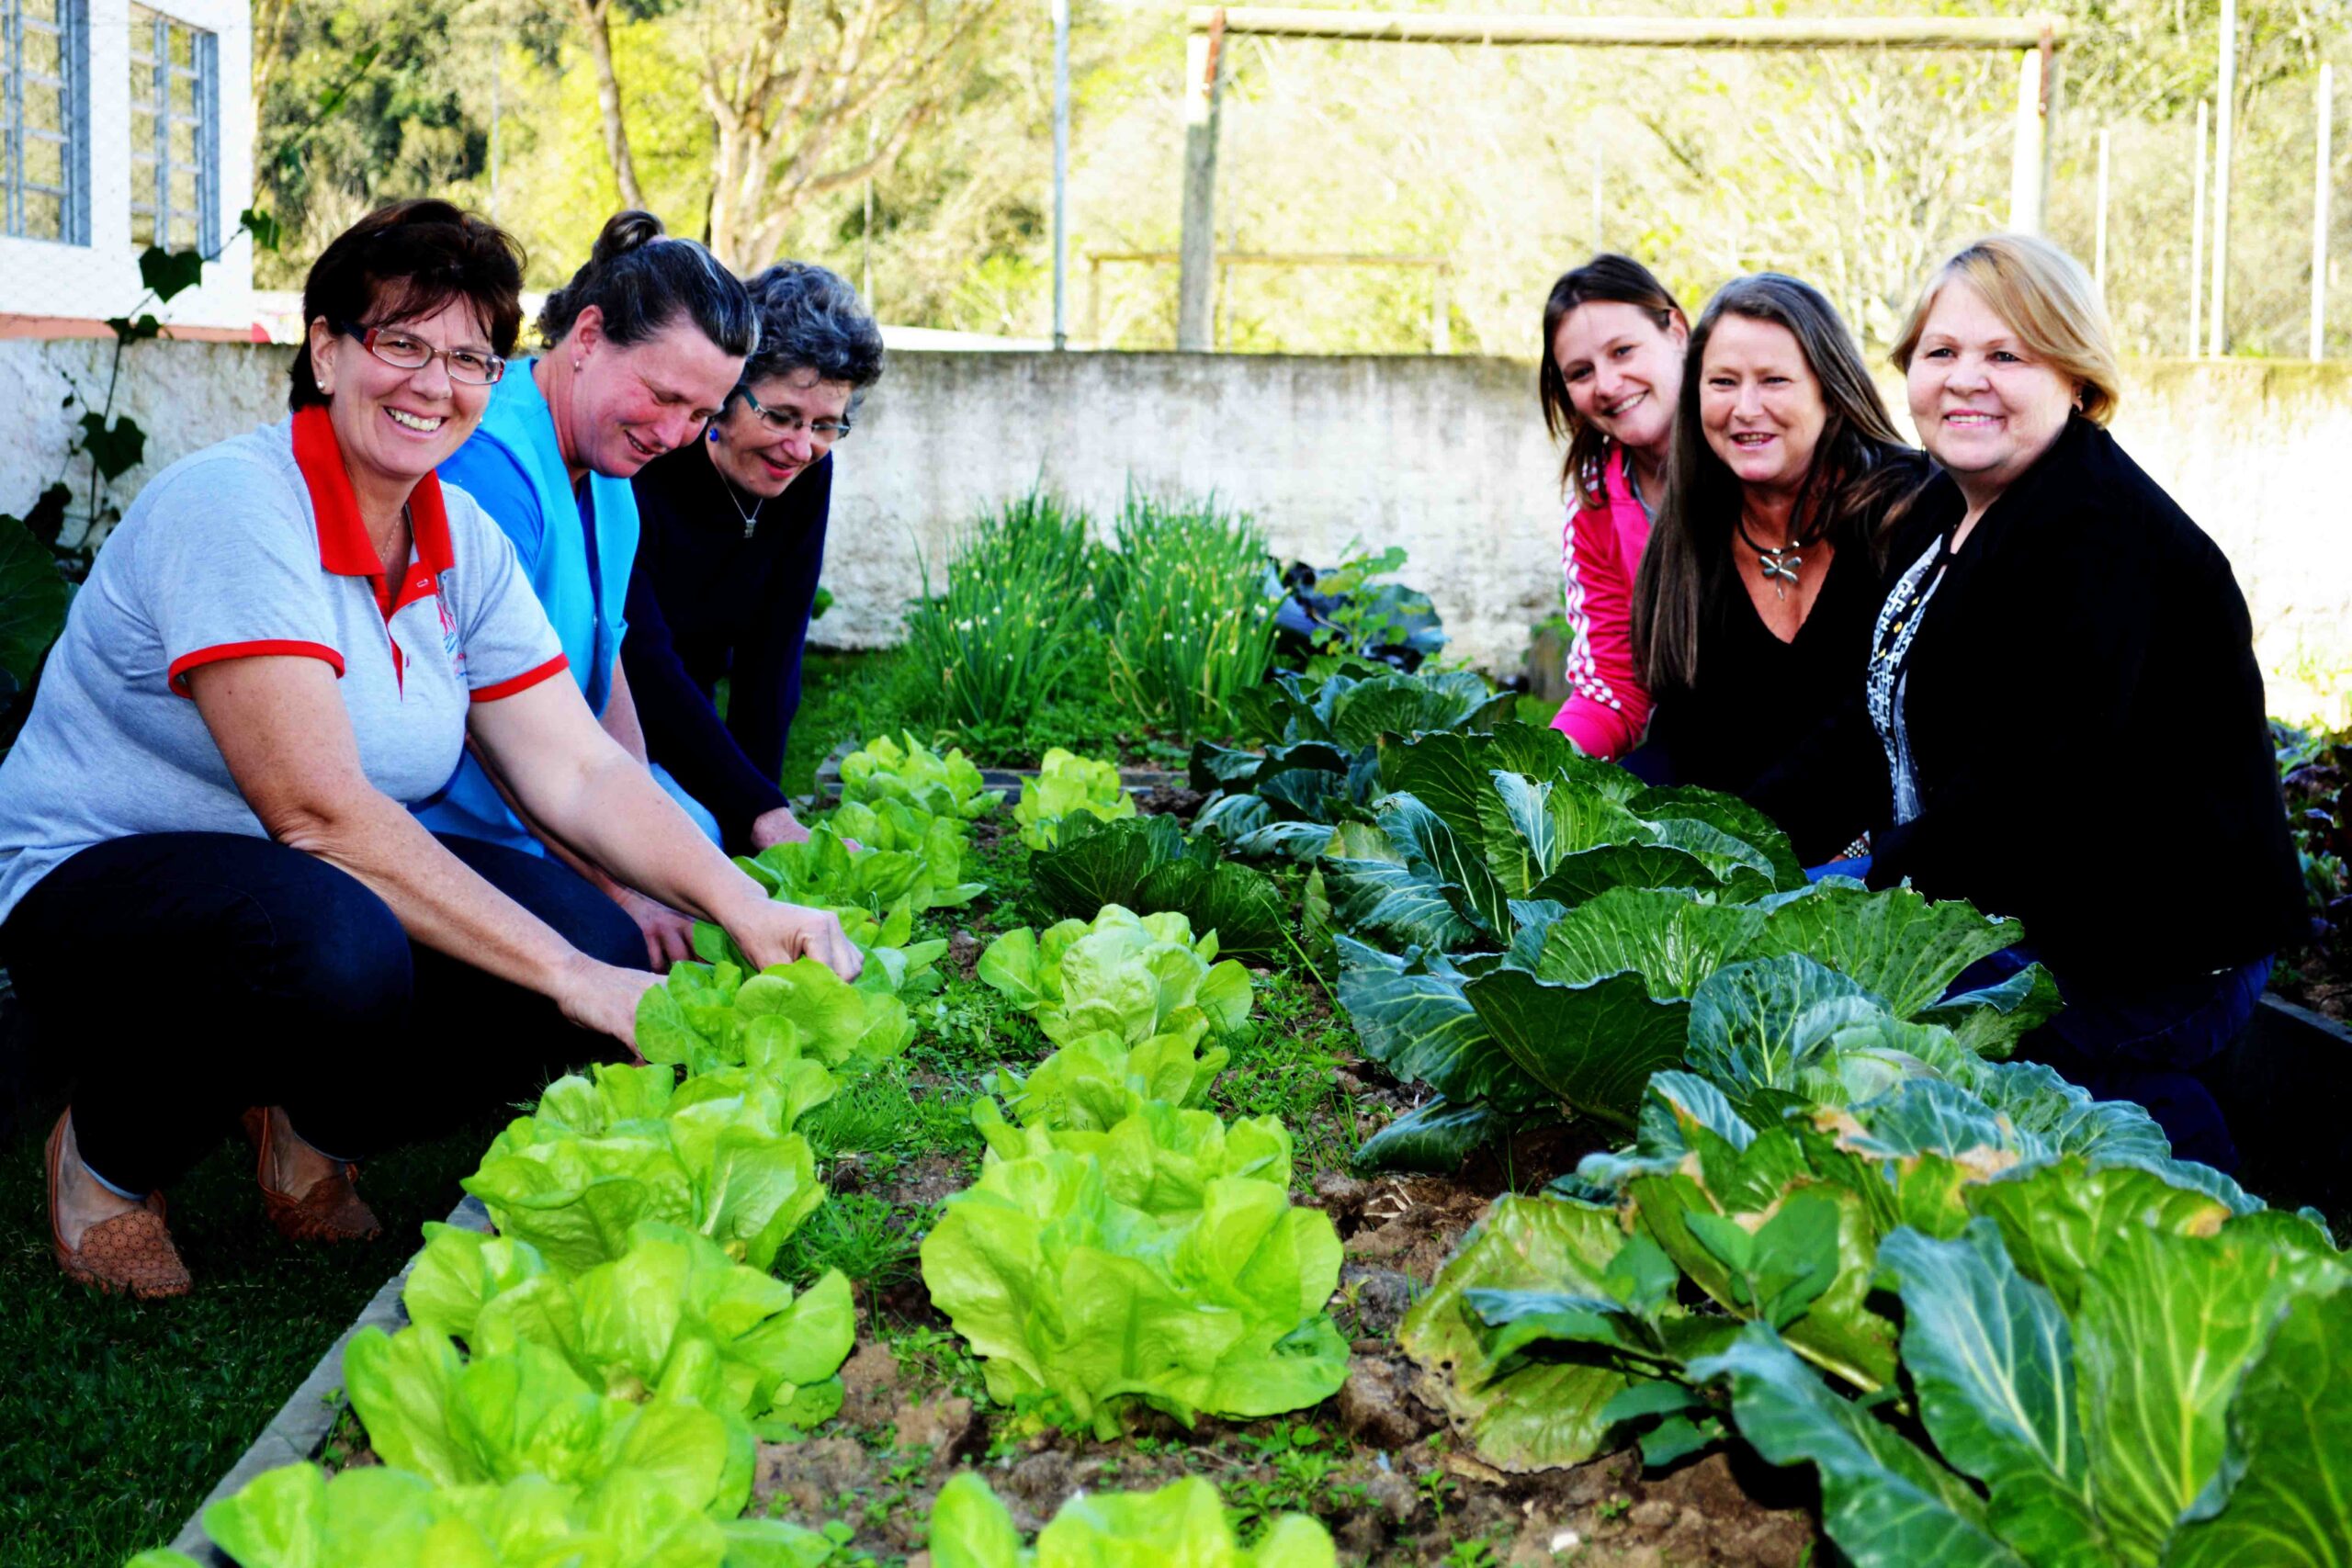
x,y
407,260
2047,299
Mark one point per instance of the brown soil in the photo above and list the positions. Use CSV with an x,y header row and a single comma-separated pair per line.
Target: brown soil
x,y
1378,1466
1161,800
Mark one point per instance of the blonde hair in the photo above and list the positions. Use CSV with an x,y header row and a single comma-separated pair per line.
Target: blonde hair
x,y
2048,301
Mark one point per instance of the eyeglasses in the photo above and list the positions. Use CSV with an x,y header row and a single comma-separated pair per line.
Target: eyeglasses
x,y
405,351
824,430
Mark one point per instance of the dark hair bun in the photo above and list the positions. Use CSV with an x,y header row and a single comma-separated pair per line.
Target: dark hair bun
x,y
624,232
639,277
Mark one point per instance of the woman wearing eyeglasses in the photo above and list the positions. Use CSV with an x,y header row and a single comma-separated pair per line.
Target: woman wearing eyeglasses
x,y
292,636
644,344
732,542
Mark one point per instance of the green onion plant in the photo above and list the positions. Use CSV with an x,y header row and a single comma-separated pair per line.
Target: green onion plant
x,y
1014,619
1190,598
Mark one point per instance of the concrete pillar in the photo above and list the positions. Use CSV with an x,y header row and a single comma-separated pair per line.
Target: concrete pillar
x,y
1196,285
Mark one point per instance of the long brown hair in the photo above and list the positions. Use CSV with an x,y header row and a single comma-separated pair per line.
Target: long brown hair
x,y
1608,279
1860,477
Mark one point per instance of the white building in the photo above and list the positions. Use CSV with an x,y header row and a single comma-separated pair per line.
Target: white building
x,y
123,123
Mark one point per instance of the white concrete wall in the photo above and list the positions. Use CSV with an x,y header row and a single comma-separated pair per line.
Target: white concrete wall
x,y
1446,456
92,282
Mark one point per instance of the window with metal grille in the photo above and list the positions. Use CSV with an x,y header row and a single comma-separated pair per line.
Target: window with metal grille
x,y
44,120
174,136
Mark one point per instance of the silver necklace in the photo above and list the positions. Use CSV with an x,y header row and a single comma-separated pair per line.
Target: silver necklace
x,y
752,518
1780,565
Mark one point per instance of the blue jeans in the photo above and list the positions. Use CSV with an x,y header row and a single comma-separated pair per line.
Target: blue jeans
x,y
264,975
2145,1045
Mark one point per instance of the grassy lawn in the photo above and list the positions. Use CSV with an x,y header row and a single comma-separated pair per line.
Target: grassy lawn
x,y
119,1417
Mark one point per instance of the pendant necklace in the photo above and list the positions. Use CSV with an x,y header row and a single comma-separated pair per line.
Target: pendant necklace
x,y
752,518
1779,566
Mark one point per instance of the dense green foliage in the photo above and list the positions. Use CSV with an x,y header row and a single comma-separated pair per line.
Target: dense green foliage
x,y
1183,1524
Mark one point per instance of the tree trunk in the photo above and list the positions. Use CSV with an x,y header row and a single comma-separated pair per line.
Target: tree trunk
x,y
591,13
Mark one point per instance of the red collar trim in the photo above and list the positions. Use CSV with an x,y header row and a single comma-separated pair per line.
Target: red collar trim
x,y
344,546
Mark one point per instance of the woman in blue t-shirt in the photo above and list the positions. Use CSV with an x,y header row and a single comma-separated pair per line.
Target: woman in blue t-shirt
x,y
644,346
291,639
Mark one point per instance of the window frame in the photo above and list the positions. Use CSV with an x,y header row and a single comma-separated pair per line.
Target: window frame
x,y
72,83
203,72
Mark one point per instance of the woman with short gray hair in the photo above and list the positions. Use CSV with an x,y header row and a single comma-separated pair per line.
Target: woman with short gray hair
x,y
733,543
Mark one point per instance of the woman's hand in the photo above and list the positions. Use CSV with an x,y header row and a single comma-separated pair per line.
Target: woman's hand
x,y
770,932
781,827
669,935
604,999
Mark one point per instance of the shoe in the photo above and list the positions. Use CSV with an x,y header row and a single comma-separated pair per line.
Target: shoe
x,y
331,1210
131,1252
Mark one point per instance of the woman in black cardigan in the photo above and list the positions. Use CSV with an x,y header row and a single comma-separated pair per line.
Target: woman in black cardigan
x,y
1754,599
2054,620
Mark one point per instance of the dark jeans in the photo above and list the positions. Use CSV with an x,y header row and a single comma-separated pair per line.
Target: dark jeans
x,y
2145,1045
193,975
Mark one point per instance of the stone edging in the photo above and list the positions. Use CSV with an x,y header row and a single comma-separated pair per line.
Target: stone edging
x,y
299,1428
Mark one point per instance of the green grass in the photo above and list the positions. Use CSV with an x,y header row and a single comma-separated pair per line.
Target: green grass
x,y
119,1417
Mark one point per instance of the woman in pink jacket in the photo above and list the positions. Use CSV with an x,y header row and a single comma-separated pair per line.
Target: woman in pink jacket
x,y
1610,377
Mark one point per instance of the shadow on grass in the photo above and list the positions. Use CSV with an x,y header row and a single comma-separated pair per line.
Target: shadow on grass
x,y
116,1416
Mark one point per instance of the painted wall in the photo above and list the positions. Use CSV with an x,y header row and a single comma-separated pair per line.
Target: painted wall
x,y
1446,456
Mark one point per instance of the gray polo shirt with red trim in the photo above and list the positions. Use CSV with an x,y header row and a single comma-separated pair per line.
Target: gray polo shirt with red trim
x,y
256,547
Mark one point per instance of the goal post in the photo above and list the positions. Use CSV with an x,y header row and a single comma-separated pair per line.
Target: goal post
x,y
2035,40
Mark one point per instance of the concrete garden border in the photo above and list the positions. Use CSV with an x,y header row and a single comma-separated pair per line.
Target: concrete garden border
x,y
299,1428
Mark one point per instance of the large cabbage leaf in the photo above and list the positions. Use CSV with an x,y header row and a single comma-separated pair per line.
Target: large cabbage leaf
x,y
2146,1424
1107,1269
1322,764
1144,864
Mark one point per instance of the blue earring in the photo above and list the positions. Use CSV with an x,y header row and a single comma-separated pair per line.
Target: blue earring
x,y
710,435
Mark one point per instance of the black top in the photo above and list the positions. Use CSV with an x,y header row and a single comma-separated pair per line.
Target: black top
x,y
2086,727
1757,696
704,603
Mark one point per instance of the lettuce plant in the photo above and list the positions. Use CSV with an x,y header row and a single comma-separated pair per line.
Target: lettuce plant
x,y
465,1422
1097,1080
1156,1264
822,871
1181,1526
895,961
672,1317
1134,976
378,1516
707,1016
911,773
1321,764
1069,785
715,1155
1144,864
